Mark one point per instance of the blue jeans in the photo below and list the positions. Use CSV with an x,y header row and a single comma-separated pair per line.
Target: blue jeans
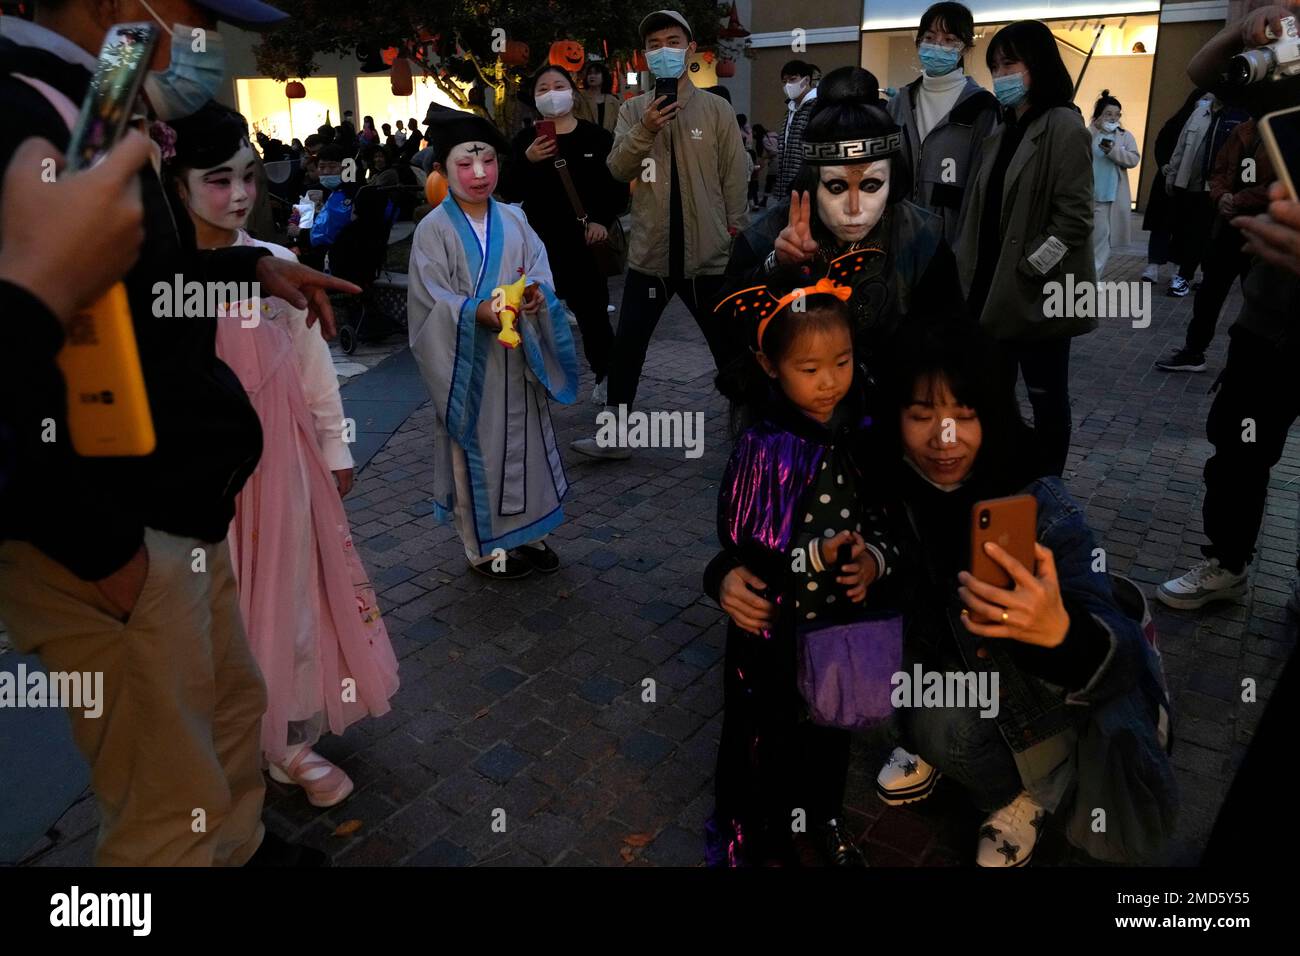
x,y
968,748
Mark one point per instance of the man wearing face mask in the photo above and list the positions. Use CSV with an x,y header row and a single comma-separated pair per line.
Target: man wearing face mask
x,y
800,95
688,165
98,569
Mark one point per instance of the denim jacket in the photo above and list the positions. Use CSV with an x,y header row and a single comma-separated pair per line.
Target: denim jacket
x,y
1044,724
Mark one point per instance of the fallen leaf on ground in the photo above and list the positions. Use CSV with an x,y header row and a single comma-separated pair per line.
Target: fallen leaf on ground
x,y
347,828
482,713
627,854
639,839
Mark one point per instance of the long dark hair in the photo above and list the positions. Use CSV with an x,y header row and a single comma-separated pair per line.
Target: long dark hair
x,y
964,359
1031,42
606,78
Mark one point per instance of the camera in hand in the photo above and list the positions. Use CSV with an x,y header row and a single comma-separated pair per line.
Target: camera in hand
x,y
1273,61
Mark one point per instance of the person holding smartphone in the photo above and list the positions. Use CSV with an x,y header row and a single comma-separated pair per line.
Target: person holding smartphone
x,y
1071,665
1263,350
1114,153
534,179
684,153
96,568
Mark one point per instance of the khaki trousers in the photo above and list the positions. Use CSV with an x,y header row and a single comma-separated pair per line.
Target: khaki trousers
x,y
175,757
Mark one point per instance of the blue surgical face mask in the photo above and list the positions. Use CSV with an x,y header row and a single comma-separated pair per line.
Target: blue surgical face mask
x,y
1010,89
668,61
332,181
192,78
938,60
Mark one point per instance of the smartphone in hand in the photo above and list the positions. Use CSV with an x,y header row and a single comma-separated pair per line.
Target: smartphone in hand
x,y
108,407
666,86
1011,523
545,129
1280,132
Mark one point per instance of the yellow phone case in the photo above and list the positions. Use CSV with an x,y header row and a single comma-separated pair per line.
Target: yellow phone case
x,y
108,408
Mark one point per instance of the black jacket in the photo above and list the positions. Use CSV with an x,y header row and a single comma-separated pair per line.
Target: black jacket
x,y
89,514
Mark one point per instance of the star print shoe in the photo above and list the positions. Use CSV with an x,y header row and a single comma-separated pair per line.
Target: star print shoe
x,y
905,778
1009,835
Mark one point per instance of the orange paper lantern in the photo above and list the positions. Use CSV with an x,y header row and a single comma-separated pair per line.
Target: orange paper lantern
x,y
388,54
435,188
400,78
295,90
726,68
567,55
515,53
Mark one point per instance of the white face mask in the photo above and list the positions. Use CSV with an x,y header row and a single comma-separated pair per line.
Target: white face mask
x,y
853,213
554,103
1110,126
796,89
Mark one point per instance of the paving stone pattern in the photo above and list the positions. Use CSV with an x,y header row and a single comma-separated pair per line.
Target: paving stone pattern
x,y
523,702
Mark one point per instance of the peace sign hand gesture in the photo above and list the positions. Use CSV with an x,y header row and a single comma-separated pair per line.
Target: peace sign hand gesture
x,y
795,244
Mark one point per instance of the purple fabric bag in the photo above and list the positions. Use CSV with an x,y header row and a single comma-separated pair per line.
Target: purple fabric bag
x,y
845,671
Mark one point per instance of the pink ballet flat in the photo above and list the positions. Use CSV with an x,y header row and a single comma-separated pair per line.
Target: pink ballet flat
x,y
323,790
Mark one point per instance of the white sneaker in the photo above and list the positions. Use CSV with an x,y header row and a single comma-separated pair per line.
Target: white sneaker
x,y
600,394
905,778
1151,273
1009,835
1208,581
610,309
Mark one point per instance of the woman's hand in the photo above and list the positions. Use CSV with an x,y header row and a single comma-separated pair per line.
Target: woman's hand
x,y
542,148
1106,145
1033,613
859,572
747,609
343,478
795,244
596,233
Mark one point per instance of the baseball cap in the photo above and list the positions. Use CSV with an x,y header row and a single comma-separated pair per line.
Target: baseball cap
x,y
248,14
664,18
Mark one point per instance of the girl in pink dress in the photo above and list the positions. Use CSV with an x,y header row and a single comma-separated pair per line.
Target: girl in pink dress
x,y
311,615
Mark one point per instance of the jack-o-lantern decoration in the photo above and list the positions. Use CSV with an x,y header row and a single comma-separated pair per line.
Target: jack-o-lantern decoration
x,y
400,78
567,55
435,188
389,55
294,90
515,54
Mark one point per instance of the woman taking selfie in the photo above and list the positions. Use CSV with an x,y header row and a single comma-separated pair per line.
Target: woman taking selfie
x,y
1028,225
534,179
1075,720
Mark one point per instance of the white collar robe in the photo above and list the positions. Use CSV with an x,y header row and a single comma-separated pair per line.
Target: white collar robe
x,y
497,469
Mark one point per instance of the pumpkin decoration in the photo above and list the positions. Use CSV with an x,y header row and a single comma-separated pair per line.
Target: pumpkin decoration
x,y
400,78
388,54
567,55
435,188
294,90
515,54
726,68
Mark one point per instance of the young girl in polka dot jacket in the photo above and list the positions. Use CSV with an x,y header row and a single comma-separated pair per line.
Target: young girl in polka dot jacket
x,y
797,524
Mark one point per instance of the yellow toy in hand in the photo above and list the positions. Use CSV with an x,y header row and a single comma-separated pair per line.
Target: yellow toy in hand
x,y
509,311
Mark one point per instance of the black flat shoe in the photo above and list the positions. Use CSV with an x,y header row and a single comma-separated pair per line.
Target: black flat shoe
x,y
539,557
840,849
513,569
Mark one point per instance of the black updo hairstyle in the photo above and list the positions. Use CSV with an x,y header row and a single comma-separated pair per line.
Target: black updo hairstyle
x,y
848,107
743,381
207,138
1103,101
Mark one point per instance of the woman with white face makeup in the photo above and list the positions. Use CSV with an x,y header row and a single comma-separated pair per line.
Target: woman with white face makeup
x,y
310,612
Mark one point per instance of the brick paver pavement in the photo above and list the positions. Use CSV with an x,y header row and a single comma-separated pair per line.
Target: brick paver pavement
x,y
522,702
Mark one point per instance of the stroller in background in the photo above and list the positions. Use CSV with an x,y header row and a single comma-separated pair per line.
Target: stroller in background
x,y
359,255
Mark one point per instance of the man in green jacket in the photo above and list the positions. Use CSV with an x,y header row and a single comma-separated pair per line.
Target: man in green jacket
x,y
686,163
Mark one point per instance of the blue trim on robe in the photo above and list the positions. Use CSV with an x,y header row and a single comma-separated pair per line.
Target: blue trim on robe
x,y
559,318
